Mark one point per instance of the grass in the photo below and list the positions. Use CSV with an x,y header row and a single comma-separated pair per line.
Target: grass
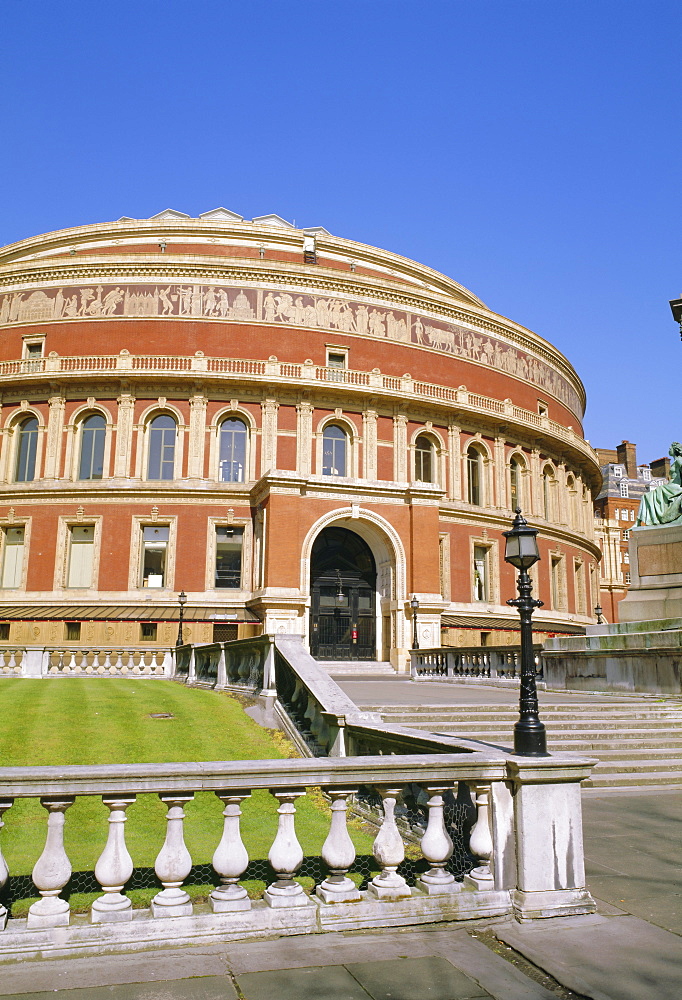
x,y
106,721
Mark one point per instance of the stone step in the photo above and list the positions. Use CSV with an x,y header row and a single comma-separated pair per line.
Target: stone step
x,y
587,729
639,766
496,712
364,668
635,780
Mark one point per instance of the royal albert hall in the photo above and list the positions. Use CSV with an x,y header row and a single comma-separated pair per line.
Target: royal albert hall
x,y
299,431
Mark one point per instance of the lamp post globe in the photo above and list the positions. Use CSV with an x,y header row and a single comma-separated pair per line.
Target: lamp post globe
x,y
521,551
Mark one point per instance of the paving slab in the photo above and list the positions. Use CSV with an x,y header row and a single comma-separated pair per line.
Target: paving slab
x,y
206,988
331,983
602,957
434,978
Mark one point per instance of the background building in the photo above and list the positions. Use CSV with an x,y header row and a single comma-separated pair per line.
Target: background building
x,y
299,431
615,511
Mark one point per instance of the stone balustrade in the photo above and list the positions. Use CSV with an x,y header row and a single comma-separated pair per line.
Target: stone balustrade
x,y
522,858
287,373
484,664
79,661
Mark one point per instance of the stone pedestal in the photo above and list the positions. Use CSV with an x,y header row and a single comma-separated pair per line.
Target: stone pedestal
x,y
656,575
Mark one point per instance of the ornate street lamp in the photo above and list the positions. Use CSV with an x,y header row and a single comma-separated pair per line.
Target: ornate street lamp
x,y
522,552
414,604
182,601
599,612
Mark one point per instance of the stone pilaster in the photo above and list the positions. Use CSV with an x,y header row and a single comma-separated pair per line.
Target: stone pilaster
x,y
124,434
564,500
454,463
400,448
369,449
535,491
304,437
197,436
500,475
55,426
268,457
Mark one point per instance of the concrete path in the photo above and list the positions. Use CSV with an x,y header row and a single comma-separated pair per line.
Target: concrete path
x,y
630,950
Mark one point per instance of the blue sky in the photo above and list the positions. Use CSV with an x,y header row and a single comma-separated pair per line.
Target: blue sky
x,y
531,149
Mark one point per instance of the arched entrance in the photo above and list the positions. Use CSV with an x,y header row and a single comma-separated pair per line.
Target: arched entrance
x,y
343,597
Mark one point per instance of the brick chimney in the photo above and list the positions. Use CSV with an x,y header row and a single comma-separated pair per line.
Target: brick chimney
x,y
660,468
627,456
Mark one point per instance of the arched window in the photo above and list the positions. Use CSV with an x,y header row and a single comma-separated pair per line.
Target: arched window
x,y
423,459
232,460
93,434
334,451
474,476
516,468
572,503
26,451
548,493
161,462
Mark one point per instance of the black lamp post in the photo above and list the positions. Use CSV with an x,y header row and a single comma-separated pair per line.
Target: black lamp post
x,y
522,552
599,612
414,604
182,601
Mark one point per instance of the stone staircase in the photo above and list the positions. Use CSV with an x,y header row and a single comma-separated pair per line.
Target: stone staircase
x,y
636,741
357,668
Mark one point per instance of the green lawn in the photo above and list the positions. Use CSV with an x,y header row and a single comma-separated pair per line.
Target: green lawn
x,y
108,721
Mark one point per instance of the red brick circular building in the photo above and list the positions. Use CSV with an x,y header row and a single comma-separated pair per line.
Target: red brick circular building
x,y
299,431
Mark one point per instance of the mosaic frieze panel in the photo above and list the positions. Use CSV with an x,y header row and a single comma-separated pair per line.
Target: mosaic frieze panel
x,y
316,311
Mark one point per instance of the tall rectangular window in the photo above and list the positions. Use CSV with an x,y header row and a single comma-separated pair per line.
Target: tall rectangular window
x,y
12,557
579,587
154,552
81,552
558,582
481,573
228,557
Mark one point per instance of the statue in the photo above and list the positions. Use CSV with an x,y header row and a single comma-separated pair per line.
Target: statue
x,y
663,505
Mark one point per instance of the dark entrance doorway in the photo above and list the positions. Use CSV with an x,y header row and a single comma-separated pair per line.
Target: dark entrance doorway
x,y
343,585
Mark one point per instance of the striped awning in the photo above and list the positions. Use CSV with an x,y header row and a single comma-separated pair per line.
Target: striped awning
x,y
491,623
117,612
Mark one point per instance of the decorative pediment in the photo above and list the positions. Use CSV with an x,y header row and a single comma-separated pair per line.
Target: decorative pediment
x,y
169,214
316,231
221,215
272,220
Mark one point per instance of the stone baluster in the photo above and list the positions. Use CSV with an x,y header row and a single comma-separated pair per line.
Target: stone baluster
x,y
481,841
173,863
52,870
436,847
5,804
231,859
95,661
389,851
286,854
114,867
338,853
72,661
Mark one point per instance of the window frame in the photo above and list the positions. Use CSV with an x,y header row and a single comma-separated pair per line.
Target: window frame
x,y
63,553
491,548
81,429
557,583
345,437
236,418
148,455
135,567
518,460
16,456
6,524
246,525
482,458
417,459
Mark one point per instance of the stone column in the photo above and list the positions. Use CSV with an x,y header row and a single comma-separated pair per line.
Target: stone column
x,y
197,436
369,449
124,434
400,448
268,457
304,437
455,463
55,426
